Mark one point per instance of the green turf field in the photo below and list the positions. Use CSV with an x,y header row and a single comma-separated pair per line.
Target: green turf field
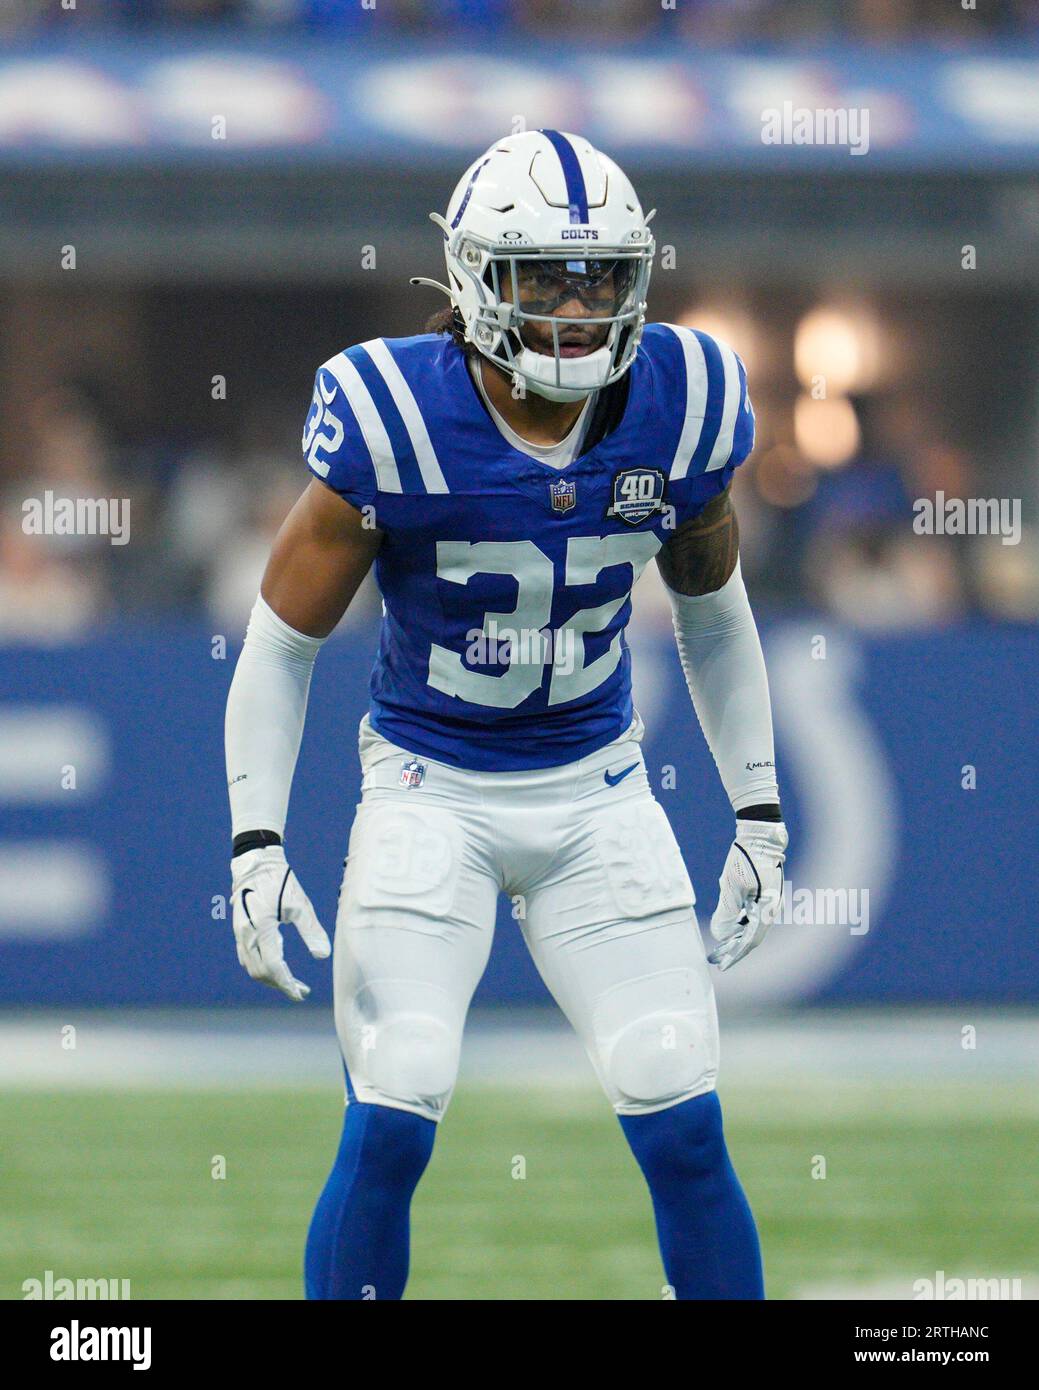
x,y
119,1185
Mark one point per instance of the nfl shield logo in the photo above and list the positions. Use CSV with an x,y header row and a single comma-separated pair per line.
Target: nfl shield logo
x,y
412,773
564,496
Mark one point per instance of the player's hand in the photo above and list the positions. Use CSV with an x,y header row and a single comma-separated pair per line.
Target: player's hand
x,y
751,890
266,893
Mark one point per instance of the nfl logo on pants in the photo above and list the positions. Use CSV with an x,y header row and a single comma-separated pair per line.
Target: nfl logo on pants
x,y
412,772
564,496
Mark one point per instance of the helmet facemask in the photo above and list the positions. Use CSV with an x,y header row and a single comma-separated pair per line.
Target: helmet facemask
x,y
516,326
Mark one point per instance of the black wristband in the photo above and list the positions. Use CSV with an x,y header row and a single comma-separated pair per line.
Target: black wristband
x,y
253,839
768,811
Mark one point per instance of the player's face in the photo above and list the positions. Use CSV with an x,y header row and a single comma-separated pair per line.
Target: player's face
x,y
571,290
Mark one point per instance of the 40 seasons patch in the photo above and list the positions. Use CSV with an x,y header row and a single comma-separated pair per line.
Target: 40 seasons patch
x,y
638,493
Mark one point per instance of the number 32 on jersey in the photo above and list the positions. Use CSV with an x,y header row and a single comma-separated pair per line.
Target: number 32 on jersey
x,y
586,558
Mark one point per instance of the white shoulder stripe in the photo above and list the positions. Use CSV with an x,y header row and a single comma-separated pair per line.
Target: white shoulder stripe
x,y
695,400
406,403
723,444
386,473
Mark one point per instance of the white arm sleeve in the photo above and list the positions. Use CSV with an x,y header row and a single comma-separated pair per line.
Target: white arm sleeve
x,y
725,671
263,726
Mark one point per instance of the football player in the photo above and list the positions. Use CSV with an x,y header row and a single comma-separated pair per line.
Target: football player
x,y
510,477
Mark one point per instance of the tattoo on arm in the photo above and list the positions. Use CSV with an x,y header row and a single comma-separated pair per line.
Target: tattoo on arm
x,y
701,555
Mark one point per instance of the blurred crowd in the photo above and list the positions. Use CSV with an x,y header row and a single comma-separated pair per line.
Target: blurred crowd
x,y
848,539
723,21
201,517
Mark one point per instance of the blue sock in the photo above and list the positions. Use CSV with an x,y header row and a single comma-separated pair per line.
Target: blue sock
x,y
708,1240
358,1243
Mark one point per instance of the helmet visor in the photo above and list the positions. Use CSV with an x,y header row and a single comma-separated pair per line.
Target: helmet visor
x,y
538,286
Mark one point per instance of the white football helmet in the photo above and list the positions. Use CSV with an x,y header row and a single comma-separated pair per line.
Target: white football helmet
x,y
546,212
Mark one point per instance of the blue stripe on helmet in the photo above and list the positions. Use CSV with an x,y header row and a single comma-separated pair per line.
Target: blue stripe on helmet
x,y
576,192
468,194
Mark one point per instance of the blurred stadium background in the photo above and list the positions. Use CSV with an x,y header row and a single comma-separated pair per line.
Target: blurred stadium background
x,y
201,200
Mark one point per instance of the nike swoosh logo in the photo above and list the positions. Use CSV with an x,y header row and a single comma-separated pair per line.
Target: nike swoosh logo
x,y
613,779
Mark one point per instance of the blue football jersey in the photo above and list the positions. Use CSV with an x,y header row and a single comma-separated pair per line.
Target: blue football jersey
x,y
506,582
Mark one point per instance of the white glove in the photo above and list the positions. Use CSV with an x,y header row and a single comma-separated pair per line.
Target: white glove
x,y
265,893
751,890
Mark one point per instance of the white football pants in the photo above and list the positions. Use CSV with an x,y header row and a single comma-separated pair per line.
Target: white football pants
x,y
599,891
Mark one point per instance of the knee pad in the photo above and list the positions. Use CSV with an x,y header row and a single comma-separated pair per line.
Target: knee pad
x,y
401,1040
411,1055
653,1048
657,1058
